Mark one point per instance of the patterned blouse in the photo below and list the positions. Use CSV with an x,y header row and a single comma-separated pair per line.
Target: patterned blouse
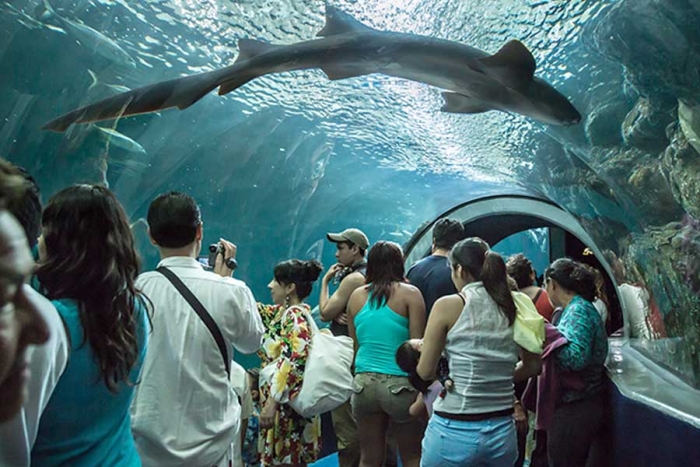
x,y
587,348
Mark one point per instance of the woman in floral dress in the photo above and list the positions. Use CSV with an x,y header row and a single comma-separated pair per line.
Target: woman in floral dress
x,y
287,438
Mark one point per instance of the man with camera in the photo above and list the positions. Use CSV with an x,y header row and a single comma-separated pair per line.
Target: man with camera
x,y
185,410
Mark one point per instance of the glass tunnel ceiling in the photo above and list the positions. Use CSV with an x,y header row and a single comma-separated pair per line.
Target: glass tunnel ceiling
x,y
288,157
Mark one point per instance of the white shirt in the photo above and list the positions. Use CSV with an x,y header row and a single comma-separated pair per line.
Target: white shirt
x,y
635,301
602,310
482,353
46,363
185,410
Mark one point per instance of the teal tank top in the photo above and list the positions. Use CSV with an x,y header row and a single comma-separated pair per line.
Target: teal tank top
x,y
84,424
379,331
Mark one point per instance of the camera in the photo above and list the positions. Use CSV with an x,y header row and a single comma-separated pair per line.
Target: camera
x,y
214,250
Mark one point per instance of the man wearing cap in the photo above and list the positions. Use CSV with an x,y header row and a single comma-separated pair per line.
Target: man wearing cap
x,y
350,270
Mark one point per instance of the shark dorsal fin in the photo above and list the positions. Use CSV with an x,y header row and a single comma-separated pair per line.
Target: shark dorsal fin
x,y
339,22
249,48
513,65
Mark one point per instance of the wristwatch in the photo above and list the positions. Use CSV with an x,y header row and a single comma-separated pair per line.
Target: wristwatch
x,y
231,263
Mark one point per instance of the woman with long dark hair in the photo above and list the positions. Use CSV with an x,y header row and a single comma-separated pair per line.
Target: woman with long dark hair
x,y
287,438
520,269
88,267
381,316
473,423
579,411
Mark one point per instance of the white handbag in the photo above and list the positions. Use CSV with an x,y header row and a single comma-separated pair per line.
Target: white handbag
x,y
328,379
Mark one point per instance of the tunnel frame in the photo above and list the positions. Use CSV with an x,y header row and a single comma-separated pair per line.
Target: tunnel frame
x,y
636,376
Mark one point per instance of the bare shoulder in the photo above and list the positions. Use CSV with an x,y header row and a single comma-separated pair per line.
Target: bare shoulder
x,y
354,280
357,299
359,293
409,289
447,308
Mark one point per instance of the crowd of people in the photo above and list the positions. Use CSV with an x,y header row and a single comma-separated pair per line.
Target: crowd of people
x,y
104,364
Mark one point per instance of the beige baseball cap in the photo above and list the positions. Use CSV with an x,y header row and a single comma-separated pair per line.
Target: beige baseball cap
x,y
355,236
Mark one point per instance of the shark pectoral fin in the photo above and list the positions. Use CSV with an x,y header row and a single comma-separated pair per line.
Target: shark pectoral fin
x,y
461,104
513,65
339,22
234,83
249,48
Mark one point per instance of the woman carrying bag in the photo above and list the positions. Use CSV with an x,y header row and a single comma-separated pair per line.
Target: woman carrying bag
x,y
287,438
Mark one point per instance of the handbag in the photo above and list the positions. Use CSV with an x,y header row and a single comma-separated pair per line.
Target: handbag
x,y
327,381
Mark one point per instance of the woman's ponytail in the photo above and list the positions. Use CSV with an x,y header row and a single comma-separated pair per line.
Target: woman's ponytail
x,y
495,279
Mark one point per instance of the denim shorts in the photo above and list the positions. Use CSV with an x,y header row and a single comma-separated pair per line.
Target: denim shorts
x,y
455,443
378,393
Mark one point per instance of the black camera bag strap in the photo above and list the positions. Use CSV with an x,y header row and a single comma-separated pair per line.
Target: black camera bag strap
x,y
201,312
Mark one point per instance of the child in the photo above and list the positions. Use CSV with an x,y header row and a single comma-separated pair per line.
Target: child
x,y
251,454
407,356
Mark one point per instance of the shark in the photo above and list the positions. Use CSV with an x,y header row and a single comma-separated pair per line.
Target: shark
x,y
90,38
472,81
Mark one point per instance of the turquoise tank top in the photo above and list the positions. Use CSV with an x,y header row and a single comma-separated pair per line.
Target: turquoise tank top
x,y
379,331
84,424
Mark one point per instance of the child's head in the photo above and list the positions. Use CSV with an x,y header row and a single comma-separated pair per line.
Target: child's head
x,y
408,354
254,381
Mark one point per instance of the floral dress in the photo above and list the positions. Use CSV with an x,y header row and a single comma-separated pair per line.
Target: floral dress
x,y
292,439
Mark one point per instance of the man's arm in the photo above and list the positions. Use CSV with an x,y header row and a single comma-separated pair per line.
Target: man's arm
x,y
331,307
244,320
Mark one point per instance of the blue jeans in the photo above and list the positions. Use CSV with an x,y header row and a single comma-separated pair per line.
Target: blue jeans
x,y
454,443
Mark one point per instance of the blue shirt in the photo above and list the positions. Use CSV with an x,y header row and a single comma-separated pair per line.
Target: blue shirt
x,y
586,350
379,331
84,424
433,278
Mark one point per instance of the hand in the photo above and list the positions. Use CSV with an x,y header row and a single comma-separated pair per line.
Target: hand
x,y
229,252
449,384
342,319
268,413
520,417
332,271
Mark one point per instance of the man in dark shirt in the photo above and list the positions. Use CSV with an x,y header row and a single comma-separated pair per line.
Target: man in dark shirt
x,y
432,275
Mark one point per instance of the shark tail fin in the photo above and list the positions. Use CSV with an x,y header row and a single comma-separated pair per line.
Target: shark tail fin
x,y
339,22
513,65
249,48
461,104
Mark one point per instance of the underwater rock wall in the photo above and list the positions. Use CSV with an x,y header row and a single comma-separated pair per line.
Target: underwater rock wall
x,y
653,150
